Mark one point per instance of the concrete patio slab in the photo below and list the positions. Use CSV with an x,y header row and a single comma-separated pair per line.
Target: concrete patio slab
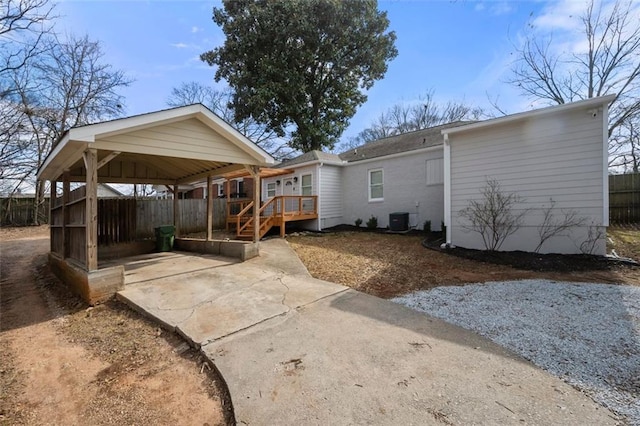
x,y
297,350
215,297
352,358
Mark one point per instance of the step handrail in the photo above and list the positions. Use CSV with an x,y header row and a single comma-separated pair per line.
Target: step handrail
x,y
240,215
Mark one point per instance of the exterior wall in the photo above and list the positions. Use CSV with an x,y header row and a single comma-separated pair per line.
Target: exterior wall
x,y
552,156
330,198
295,189
405,190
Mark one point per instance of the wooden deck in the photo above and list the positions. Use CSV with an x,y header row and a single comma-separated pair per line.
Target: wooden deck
x,y
275,212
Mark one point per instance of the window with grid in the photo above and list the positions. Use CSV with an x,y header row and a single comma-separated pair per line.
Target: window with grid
x,y
271,190
376,185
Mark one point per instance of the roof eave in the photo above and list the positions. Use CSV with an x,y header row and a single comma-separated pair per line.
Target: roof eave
x,y
587,103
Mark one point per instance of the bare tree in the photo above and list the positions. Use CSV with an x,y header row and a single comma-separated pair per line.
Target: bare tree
x,y
23,26
554,226
625,146
493,216
610,64
219,102
66,85
408,117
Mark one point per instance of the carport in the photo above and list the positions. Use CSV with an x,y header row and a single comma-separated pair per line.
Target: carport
x,y
170,147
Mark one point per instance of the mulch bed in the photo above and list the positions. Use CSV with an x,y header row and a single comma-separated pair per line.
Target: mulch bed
x,y
516,259
531,261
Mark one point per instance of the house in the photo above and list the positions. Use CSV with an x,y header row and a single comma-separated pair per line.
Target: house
x,y
402,173
555,155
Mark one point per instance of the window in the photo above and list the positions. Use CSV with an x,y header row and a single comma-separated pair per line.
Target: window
x,y
271,190
435,171
241,193
306,185
376,180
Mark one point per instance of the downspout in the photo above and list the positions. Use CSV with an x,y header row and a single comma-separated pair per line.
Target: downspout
x,y
319,197
447,187
605,166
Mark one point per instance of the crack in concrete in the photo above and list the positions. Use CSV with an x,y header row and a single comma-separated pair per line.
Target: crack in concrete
x,y
206,342
284,295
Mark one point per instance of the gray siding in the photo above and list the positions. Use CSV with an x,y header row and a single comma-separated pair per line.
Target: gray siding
x,y
554,156
330,196
405,190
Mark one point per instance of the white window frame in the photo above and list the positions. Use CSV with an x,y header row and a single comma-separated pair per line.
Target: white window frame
x,y
441,182
310,186
369,186
271,190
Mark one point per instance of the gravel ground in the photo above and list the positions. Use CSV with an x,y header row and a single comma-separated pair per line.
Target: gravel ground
x,y
586,334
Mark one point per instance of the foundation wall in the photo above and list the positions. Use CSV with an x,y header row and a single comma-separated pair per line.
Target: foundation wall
x,y
94,287
237,249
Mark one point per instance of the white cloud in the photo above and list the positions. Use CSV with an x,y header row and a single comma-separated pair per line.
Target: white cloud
x,y
179,45
495,7
501,8
195,29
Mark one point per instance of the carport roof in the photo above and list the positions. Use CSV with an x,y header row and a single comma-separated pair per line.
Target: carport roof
x,y
179,145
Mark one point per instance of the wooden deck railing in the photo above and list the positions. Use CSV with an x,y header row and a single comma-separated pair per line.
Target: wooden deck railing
x,y
277,211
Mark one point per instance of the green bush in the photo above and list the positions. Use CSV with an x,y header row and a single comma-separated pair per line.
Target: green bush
x,y
372,223
427,227
358,222
443,229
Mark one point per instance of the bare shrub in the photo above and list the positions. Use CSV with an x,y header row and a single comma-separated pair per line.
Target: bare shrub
x,y
493,216
594,234
554,226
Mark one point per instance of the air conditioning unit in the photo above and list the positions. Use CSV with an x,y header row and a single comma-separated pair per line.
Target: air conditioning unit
x,y
399,221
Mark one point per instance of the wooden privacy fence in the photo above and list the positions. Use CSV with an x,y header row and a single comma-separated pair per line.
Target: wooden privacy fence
x,y
122,220
624,198
16,211
193,215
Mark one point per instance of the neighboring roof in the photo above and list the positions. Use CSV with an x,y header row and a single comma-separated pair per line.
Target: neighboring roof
x,y
179,145
108,189
312,157
404,142
586,104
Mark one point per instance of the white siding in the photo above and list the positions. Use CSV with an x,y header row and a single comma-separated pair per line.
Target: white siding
x,y
330,196
405,190
553,156
188,139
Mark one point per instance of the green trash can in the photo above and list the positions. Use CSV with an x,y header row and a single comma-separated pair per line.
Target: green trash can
x,y
164,237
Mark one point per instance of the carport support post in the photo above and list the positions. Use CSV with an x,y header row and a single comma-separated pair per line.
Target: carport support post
x,y
176,209
255,173
52,204
91,206
66,189
209,210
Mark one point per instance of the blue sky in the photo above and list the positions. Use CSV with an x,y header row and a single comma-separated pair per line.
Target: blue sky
x,y
462,50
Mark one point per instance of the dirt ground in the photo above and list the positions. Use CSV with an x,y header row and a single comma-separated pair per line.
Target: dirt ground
x,y
387,265
64,363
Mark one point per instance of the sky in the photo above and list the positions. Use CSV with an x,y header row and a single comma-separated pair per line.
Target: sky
x,y
461,50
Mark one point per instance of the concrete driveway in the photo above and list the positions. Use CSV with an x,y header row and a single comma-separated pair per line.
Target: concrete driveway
x,y
296,350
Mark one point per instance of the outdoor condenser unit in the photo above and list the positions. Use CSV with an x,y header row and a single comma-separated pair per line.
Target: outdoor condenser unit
x,y
399,221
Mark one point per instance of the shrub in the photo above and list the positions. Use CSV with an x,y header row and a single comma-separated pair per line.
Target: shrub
x,y
494,216
372,223
358,222
427,227
443,229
